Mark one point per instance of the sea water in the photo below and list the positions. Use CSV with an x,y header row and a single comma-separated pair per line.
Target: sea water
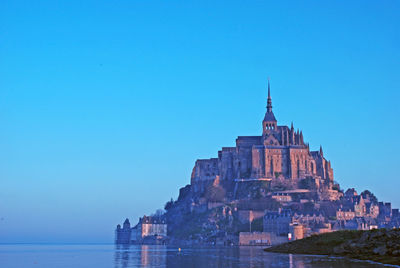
x,y
112,256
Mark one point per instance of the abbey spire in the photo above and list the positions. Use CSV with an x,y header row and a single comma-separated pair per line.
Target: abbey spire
x,y
269,101
269,122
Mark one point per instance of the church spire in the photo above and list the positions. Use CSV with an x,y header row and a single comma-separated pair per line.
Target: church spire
x,y
269,122
269,102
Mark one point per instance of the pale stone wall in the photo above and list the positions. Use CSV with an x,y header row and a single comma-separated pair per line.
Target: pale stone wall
x,y
150,229
345,215
258,162
373,211
297,231
254,238
263,161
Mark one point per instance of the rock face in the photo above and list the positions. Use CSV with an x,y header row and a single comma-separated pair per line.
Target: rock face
x,y
380,242
379,245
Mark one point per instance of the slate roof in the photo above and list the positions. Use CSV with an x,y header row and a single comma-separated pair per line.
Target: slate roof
x,y
269,117
276,214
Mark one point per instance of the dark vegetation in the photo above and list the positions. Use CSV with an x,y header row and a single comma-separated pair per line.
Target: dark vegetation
x,y
376,245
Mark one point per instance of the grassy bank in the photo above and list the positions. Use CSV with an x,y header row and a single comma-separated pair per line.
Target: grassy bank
x,y
376,245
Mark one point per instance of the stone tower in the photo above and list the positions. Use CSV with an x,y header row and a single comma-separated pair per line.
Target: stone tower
x,y
123,235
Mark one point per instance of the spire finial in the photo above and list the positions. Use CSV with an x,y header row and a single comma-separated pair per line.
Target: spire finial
x,y
269,101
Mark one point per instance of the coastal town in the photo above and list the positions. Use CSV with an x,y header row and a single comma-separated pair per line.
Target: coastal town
x,y
266,190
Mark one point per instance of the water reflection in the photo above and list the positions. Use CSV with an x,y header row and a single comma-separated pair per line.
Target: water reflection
x,y
140,256
230,257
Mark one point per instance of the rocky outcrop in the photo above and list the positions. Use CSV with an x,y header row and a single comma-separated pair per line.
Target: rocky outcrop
x,y
380,245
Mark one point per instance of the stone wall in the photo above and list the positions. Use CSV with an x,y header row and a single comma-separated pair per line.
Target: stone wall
x,y
254,238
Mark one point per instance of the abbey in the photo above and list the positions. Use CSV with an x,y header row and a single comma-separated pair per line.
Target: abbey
x,y
267,189
279,153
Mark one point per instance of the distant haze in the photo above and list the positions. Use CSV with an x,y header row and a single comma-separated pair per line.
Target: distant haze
x,y
106,105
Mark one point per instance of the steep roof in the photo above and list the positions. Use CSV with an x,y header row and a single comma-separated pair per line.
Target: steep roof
x,y
269,116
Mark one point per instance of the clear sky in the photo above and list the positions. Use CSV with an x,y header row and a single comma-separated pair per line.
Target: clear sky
x,y
106,105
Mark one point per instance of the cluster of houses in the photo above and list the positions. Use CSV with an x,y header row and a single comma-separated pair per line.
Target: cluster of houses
x,y
364,212
354,212
351,212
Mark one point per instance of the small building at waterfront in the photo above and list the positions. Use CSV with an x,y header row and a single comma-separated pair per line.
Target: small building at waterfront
x,y
123,235
149,230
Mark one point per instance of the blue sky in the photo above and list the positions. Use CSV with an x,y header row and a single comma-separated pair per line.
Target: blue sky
x,y
105,105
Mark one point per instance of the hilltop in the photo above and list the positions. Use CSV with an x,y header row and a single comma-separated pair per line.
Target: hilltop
x,y
266,189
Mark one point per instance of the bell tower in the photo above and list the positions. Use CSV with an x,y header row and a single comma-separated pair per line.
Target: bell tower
x,y
269,123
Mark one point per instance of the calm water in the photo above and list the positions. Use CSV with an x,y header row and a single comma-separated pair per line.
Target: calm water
x,y
105,256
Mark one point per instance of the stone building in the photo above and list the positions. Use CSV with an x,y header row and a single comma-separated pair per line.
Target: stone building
x,y
151,230
385,209
297,231
279,152
155,227
277,222
360,208
123,235
345,215
372,210
282,197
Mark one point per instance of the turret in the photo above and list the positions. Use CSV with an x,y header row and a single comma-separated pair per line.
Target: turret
x,y
123,235
287,137
292,134
301,138
127,224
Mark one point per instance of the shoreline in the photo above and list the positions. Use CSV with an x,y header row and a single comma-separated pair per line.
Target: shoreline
x,y
340,257
378,246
